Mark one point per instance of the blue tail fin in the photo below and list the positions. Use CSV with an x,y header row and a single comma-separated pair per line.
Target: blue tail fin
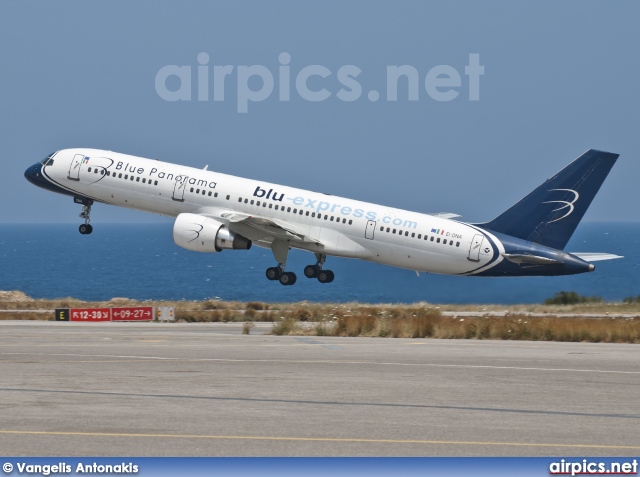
x,y
550,214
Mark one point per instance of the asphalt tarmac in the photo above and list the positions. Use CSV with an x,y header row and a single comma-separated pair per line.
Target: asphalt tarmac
x,y
150,389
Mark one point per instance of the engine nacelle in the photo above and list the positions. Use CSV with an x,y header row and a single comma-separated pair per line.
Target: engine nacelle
x,y
202,234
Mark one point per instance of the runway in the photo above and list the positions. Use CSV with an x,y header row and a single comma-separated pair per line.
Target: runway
x,y
150,389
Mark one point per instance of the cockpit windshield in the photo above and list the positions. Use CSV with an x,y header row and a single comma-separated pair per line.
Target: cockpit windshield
x,y
48,161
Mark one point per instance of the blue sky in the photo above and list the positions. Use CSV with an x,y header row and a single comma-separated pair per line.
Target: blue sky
x,y
559,78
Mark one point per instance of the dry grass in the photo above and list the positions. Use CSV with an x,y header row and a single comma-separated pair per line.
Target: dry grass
x,y
419,320
431,324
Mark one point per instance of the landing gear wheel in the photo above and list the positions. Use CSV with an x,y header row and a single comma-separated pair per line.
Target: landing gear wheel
x,y
325,276
273,273
85,229
288,278
311,271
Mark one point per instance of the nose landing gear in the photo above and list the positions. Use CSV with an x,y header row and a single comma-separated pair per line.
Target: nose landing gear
x,y
86,228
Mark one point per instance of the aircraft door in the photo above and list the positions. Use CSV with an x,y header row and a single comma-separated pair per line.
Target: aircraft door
x,y
74,169
369,231
179,188
474,250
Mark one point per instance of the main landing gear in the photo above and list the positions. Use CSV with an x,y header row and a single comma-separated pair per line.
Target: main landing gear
x,y
280,251
316,271
86,228
278,273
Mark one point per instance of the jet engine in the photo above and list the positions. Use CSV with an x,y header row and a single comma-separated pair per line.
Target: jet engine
x,y
202,234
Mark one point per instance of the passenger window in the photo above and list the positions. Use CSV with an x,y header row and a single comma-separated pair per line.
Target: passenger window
x,y
89,169
413,235
313,214
270,206
326,217
438,240
331,219
264,204
276,206
419,236
444,242
288,209
344,221
120,176
457,244
137,179
387,229
394,231
228,197
155,183
126,176
406,234
246,201
350,222
215,194
251,201
144,180
432,239
257,203
295,211
307,214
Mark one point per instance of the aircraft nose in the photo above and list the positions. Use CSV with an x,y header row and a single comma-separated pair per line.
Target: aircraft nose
x,y
32,174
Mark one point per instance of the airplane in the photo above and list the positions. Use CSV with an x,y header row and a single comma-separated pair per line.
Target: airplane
x,y
215,211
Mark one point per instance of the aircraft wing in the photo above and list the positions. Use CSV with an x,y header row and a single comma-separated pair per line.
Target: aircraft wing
x,y
446,215
278,229
595,257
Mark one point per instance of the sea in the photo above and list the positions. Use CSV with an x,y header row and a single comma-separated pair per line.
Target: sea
x,y
140,261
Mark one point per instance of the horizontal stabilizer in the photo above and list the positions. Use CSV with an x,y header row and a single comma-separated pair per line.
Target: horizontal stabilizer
x,y
596,257
524,259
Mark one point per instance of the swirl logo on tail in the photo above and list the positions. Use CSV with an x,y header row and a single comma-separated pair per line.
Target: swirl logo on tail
x,y
567,204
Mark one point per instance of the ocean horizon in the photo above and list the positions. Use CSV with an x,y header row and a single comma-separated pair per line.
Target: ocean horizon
x,y
140,261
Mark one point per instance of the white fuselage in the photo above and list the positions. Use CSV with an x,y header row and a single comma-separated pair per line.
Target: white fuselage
x,y
343,227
